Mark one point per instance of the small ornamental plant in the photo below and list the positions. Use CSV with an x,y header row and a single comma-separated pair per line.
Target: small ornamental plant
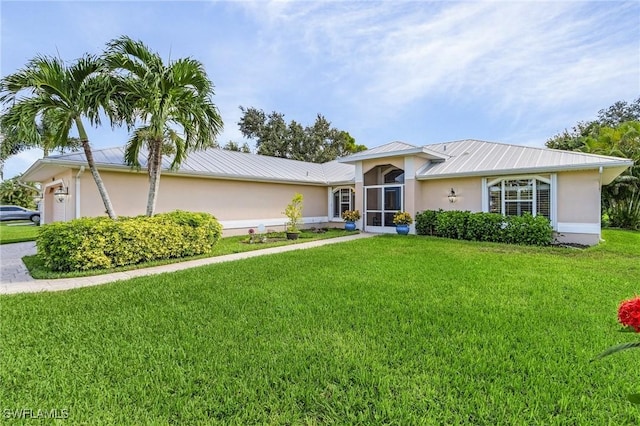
x,y
294,214
629,316
351,215
629,313
402,218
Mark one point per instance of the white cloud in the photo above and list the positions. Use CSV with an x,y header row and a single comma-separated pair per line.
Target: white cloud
x,y
521,55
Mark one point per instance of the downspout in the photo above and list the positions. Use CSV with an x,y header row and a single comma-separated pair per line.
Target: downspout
x,y
80,172
600,203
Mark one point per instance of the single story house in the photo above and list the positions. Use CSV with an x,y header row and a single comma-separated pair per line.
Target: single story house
x,y
248,190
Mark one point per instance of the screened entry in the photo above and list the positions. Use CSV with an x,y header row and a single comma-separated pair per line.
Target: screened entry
x,y
384,197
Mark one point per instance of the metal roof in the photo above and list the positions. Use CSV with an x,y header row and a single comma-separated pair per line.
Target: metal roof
x,y
393,149
447,160
473,158
221,163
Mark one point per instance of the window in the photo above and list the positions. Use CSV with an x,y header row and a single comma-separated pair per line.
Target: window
x,y
343,199
394,176
515,197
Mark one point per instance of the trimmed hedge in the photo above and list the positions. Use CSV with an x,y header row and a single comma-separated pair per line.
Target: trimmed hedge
x,y
464,225
102,243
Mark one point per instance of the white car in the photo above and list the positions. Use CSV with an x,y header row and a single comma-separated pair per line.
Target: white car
x,y
18,213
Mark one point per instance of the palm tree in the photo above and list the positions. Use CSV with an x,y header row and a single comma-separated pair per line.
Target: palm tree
x,y
11,145
172,102
65,95
621,198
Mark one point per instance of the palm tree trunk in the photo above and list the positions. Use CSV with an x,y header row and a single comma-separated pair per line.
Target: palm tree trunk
x,y
84,140
155,169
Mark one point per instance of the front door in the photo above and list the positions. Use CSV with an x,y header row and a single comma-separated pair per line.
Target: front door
x,y
382,202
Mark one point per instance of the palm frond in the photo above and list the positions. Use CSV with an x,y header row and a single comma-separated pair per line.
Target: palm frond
x,y
618,348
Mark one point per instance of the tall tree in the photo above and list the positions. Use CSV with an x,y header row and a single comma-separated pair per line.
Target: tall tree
x,y
317,143
235,146
66,95
163,98
574,139
615,132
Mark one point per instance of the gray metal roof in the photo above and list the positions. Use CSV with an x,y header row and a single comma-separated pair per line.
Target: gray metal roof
x,y
393,149
473,157
221,163
447,160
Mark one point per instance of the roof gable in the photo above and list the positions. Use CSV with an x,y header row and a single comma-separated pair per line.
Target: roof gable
x,y
393,149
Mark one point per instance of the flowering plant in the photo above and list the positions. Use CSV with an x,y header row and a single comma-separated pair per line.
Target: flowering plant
x,y
629,313
402,218
351,215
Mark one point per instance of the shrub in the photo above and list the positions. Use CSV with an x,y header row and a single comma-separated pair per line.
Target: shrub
x,y
452,224
527,229
293,211
492,227
101,243
484,227
426,222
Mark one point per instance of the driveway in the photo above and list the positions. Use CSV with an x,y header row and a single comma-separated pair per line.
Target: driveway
x,y
12,269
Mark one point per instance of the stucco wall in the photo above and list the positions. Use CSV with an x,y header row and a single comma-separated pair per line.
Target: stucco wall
x,y
434,194
579,197
578,219
227,200
53,210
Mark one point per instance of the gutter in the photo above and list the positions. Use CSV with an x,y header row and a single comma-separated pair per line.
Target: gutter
x,y
551,169
80,172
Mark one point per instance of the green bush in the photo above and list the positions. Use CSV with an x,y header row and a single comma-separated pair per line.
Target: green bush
x,y
426,222
101,243
452,224
485,227
527,229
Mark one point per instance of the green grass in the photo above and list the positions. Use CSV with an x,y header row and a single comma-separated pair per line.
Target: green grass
x,y
401,330
17,232
227,245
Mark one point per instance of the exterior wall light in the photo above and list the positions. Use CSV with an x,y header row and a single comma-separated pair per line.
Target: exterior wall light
x,y
452,196
61,194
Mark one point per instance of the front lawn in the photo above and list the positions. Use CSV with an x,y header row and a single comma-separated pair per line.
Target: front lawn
x,y
18,231
226,245
402,330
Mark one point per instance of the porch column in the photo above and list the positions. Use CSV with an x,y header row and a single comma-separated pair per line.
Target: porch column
x,y
411,190
359,194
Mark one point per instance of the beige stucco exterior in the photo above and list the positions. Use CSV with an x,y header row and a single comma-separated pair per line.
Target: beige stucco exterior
x,y
578,207
238,205
239,202
435,194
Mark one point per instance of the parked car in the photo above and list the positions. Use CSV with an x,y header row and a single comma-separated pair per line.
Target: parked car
x,y
18,213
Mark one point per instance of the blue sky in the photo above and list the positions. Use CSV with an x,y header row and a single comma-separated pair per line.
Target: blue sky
x,y
420,72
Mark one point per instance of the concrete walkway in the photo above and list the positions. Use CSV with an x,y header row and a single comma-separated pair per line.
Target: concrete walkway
x,y
15,278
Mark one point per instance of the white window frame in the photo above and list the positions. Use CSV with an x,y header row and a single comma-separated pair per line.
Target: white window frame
x,y
551,180
332,200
